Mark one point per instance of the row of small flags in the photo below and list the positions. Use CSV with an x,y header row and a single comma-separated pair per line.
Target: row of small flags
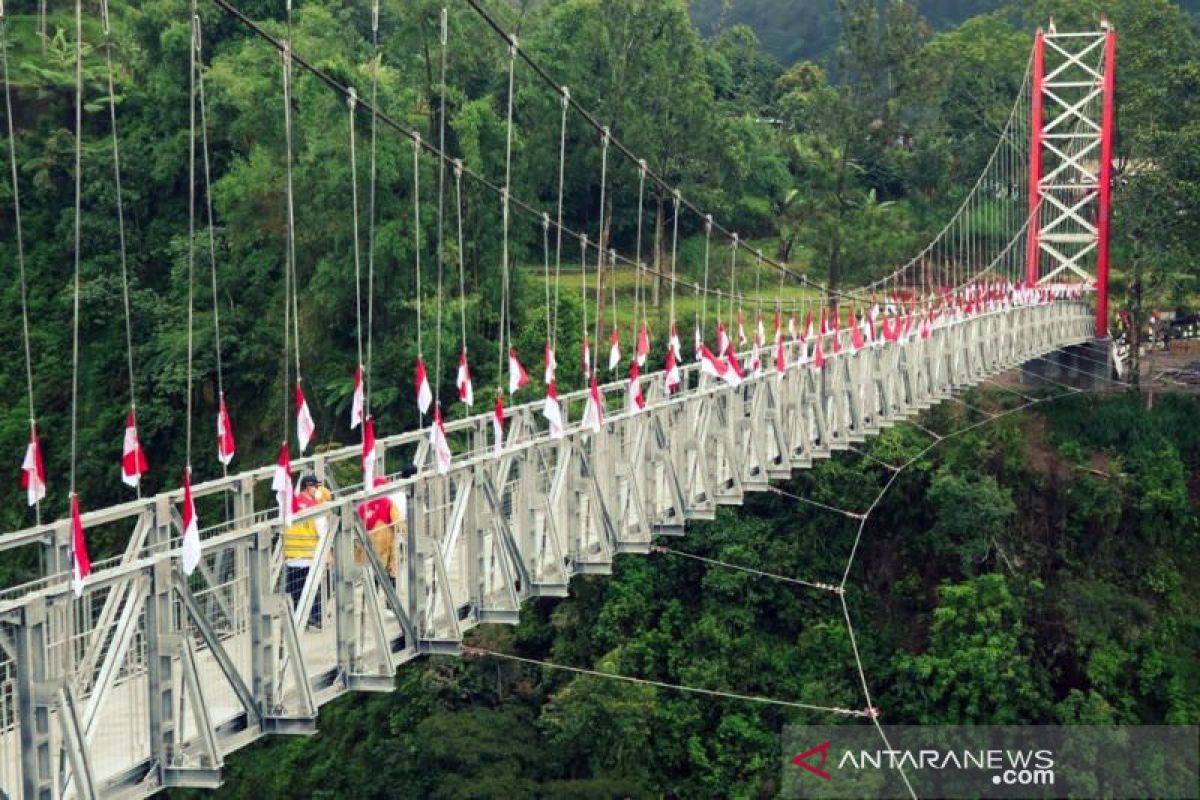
x,y
902,318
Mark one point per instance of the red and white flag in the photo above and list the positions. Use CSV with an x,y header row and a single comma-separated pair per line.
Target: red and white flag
x,y
305,428
498,425
614,350
699,340
281,484
634,399
82,565
424,390
191,527
819,354
551,365
836,329
368,453
437,439
642,349
225,444
672,341
674,377
517,376
780,356
356,402
760,334
733,375
586,352
856,334
742,331
133,458
593,413
552,411
793,328
466,389
33,471
711,364
808,327
722,339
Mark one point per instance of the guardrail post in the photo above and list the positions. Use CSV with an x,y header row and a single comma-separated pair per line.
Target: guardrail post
x,y
344,569
33,713
160,685
262,620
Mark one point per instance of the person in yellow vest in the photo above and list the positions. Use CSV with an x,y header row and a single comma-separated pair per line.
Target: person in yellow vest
x,y
300,547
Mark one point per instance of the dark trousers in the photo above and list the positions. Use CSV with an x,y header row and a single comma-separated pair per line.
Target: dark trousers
x,y
296,576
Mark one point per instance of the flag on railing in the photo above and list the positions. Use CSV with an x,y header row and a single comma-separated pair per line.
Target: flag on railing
x,y
593,413
33,471
368,453
742,331
793,328
466,389
711,364
305,428
819,354
722,339
191,526
780,356
133,458
634,400
517,376
642,348
699,340
281,484
614,349
808,327
673,342
356,402
674,377
552,411
81,564
856,334
498,425
760,334
225,444
437,439
424,391
733,375
586,353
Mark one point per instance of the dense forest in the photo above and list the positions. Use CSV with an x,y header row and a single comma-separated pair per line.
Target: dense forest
x,y
1041,568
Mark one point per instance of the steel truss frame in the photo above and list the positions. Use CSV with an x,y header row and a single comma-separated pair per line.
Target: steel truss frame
x,y
190,669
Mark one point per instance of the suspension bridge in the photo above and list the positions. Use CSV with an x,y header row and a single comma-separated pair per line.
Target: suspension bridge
x,y
125,675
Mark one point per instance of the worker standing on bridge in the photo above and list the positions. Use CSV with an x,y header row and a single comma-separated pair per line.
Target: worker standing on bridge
x,y
382,519
300,547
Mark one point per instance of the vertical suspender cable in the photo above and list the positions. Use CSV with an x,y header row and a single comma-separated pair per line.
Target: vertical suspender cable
x,y
291,205
352,106
441,202
16,188
562,158
600,240
78,237
704,296
416,162
112,116
674,253
287,259
639,291
371,212
505,321
191,258
462,279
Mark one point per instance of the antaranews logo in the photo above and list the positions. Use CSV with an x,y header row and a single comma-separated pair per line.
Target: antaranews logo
x,y
990,762
801,760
